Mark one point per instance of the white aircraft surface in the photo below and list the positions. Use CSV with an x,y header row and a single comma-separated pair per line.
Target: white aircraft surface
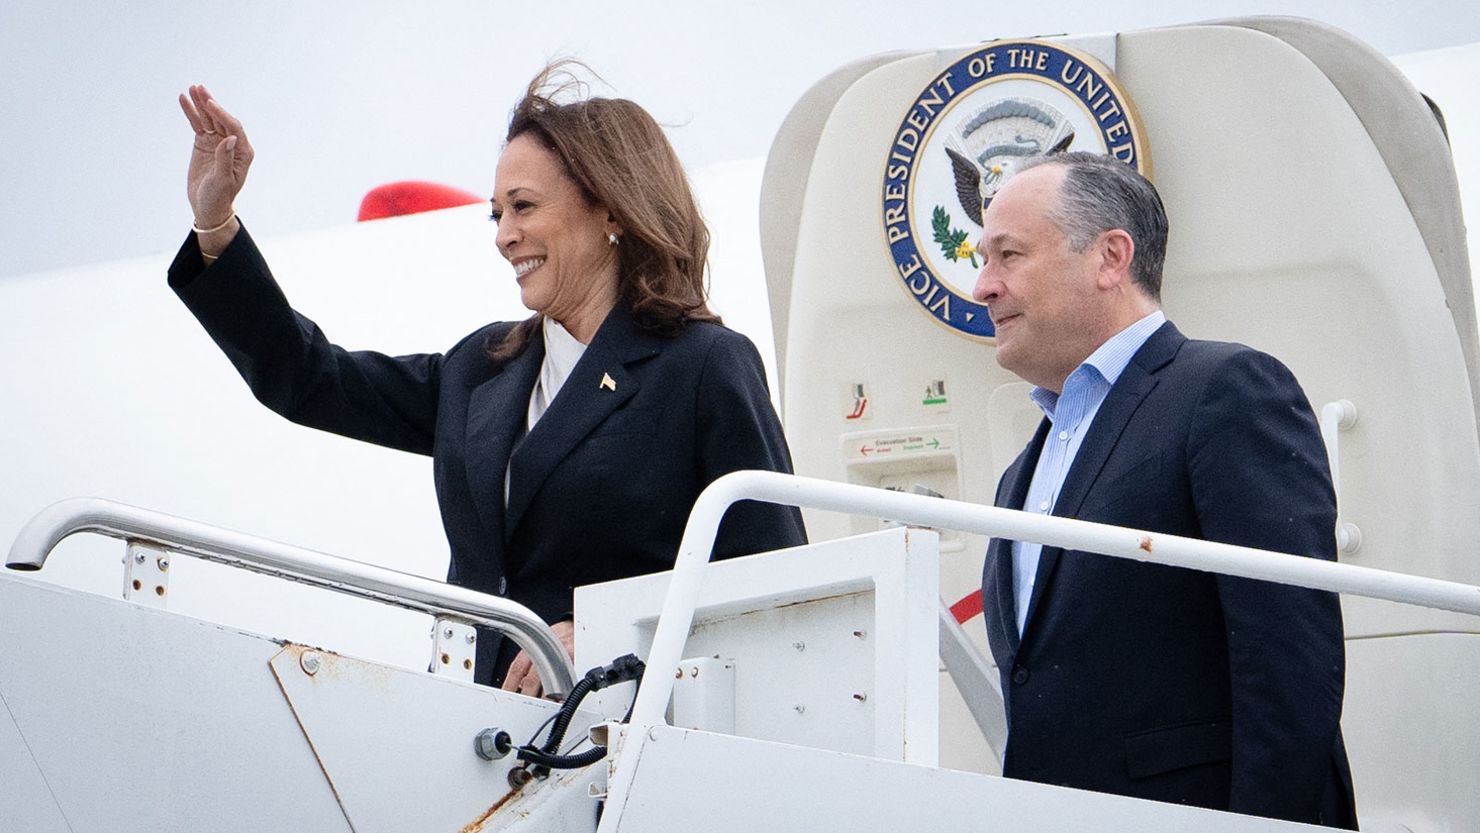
x,y
115,392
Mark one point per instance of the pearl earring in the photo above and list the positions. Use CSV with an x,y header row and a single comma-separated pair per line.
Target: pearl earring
x,y
611,237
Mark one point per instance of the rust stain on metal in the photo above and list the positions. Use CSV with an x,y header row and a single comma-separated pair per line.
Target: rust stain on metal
x,y
699,627
297,652
477,823
334,666
524,810
1146,543
828,598
297,648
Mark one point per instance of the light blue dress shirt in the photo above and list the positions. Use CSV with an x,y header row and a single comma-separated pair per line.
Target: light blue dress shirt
x,y
1071,413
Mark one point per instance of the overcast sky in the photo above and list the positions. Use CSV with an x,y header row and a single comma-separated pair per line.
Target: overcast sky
x,y
339,97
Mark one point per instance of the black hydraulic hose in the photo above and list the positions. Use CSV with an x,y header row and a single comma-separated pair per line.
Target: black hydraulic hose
x,y
622,669
567,713
590,756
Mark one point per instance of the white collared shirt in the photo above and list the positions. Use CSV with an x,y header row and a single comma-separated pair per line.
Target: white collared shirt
x,y
562,351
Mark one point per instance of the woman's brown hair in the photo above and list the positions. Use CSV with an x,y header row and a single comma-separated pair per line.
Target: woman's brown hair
x,y
617,155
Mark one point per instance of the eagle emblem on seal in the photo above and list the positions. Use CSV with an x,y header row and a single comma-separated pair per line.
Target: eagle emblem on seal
x,y
987,146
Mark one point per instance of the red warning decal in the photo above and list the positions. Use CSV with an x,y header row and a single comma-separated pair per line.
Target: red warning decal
x,y
968,607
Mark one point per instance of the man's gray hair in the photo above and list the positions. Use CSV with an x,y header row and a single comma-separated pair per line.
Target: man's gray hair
x,y
1100,193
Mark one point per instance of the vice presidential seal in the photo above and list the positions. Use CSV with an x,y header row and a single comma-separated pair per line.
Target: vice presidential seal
x,y
962,139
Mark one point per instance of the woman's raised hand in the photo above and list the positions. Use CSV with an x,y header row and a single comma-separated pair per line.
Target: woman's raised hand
x,y
218,161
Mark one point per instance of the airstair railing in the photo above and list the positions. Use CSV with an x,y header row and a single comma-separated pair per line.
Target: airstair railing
x,y
976,681
917,510
48,528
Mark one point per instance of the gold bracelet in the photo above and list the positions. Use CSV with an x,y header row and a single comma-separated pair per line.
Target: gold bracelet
x,y
198,230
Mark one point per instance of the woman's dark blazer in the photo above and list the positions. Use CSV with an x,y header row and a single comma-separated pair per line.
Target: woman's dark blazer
x,y
599,490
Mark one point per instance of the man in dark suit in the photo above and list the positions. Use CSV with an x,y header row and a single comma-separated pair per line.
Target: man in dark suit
x,y
1141,679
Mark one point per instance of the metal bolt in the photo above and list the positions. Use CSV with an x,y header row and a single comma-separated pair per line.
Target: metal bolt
x,y
679,675
492,744
800,708
694,672
472,637
163,562
519,776
799,645
138,558
860,697
310,663
447,634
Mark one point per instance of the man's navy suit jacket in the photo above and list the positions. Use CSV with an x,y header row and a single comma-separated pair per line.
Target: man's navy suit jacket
x,y
600,489
1168,683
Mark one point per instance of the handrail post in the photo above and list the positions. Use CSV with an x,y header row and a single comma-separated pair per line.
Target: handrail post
x,y
1336,417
